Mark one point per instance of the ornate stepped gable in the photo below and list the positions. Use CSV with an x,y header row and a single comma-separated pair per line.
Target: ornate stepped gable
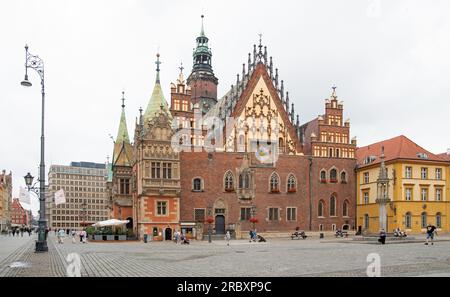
x,y
328,135
258,99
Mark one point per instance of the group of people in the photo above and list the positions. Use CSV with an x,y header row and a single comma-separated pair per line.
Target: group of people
x,y
21,231
431,232
180,237
61,234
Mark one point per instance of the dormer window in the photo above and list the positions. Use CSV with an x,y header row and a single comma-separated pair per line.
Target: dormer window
x,y
369,159
422,156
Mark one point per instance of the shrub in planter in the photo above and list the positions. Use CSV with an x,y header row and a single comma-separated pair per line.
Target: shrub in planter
x,y
130,233
90,230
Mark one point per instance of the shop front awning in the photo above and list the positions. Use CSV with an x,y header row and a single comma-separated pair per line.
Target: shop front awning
x,y
188,224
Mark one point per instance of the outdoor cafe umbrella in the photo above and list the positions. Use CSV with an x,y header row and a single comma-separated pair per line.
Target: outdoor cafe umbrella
x,y
112,222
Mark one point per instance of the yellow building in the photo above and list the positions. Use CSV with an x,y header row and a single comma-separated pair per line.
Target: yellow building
x,y
417,188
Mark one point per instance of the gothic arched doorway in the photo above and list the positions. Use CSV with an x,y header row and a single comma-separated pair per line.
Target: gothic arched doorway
x,y
129,225
220,224
168,234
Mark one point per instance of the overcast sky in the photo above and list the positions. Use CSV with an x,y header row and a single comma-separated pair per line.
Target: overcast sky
x,y
389,61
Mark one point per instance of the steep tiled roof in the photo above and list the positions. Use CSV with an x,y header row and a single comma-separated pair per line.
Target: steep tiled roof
x,y
445,156
399,147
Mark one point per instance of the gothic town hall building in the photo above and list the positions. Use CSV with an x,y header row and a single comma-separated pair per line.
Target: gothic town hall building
x,y
242,161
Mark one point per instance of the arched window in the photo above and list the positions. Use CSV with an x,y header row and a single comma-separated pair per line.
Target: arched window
x,y
291,184
423,219
323,176
244,180
320,209
345,209
333,175
408,220
274,182
438,220
343,177
229,181
366,221
332,206
197,184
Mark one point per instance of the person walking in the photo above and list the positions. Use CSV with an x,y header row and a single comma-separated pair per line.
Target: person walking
x,y
228,237
431,230
61,234
382,238
13,232
250,233
73,236
175,237
84,236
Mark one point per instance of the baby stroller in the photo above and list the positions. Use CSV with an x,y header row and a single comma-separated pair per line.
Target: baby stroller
x,y
184,240
259,238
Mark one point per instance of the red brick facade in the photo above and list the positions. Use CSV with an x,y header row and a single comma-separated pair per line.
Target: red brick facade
x,y
230,183
19,215
211,168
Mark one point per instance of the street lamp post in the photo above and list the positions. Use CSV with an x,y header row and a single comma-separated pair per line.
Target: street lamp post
x,y
36,63
84,212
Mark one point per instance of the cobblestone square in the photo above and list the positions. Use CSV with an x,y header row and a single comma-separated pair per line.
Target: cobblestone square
x,y
276,257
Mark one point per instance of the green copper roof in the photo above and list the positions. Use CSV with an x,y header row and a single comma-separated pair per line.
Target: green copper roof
x,y
122,135
157,101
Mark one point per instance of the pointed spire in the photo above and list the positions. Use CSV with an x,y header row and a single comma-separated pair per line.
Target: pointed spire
x,y
271,68
292,113
122,134
282,91
237,81
298,121
287,102
260,45
157,100
276,77
265,55
249,63
254,55
243,71
202,32
157,68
